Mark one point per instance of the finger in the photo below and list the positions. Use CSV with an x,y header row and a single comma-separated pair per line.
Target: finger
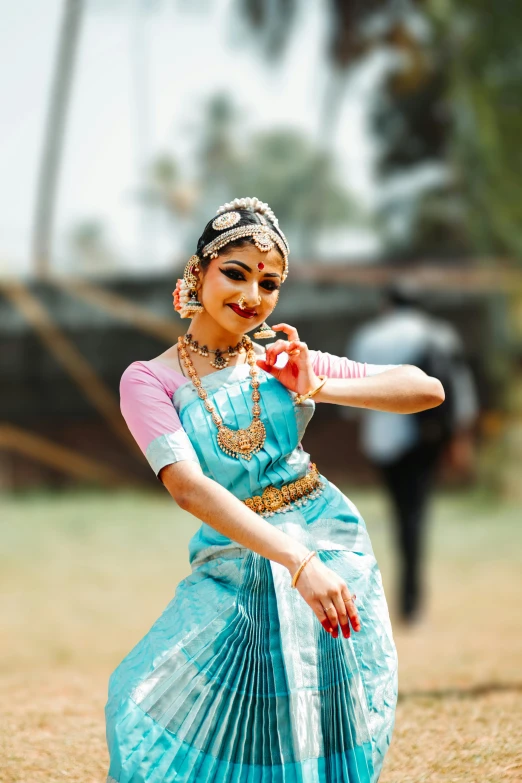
x,y
267,367
326,625
331,613
291,331
296,348
351,608
342,614
321,616
272,350
292,347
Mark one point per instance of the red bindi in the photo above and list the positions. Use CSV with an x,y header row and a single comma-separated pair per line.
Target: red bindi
x,y
260,265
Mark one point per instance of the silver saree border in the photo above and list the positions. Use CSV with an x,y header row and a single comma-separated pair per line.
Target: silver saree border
x,y
168,448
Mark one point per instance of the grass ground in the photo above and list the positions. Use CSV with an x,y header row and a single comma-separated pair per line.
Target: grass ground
x,y
84,575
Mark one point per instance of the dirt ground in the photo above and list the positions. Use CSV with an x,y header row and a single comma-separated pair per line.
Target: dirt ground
x,y
84,575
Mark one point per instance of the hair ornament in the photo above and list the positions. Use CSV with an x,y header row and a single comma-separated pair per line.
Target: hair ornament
x,y
227,220
251,203
263,234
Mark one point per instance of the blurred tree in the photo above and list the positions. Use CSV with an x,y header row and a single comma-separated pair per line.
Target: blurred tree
x,y
348,36
486,88
219,153
281,167
166,186
410,115
450,104
90,250
301,185
466,115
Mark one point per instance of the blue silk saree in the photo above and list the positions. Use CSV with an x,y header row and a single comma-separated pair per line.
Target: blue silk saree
x,y
237,681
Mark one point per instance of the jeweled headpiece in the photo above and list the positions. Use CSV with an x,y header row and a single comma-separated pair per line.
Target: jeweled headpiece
x,y
264,236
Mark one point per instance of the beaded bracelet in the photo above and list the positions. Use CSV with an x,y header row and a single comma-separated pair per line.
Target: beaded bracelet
x,y
301,397
303,563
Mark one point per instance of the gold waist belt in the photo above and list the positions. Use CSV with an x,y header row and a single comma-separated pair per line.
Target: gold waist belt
x,y
276,499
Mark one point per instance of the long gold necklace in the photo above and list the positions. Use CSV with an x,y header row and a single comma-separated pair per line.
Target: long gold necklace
x,y
235,443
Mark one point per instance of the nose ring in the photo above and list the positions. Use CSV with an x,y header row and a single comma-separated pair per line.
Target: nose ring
x,y
242,301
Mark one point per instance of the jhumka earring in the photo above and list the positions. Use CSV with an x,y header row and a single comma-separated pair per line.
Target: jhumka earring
x,y
264,332
193,306
185,294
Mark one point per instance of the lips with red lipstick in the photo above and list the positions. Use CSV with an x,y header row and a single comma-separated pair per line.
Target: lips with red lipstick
x,y
243,313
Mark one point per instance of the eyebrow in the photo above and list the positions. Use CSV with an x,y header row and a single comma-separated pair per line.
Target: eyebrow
x,y
245,266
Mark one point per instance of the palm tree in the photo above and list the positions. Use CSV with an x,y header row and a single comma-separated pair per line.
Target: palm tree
x,y
354,28
54,133
456,101
486,77
407,119
282,167
63,76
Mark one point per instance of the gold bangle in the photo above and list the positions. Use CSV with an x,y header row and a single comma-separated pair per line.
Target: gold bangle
x,y
301,397
302,565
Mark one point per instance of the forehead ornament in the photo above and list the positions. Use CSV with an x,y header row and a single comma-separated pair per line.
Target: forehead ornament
x,y
265,238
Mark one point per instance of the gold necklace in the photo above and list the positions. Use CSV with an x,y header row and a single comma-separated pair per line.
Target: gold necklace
x,y
235,443
221,361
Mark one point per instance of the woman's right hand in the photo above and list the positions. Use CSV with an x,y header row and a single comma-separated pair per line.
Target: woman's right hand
x,y
329,597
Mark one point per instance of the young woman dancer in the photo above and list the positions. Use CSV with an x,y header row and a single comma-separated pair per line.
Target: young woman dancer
x,y
245,677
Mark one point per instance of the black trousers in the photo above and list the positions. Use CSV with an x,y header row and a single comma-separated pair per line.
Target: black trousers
x,y
410,481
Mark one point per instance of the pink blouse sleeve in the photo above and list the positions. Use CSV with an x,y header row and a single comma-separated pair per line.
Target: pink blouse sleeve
x,y
336,366
340,367
146,406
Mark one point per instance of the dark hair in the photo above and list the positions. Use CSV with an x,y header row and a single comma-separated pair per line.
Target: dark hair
x,y
247,218
400,294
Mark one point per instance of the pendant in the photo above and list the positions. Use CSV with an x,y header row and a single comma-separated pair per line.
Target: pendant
x,y
220,361
242,443
235,443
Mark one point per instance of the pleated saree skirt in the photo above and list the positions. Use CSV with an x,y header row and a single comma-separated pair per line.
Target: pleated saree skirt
x,y
238,682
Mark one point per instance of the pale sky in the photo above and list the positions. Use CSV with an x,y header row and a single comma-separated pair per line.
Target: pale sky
x,y
183,54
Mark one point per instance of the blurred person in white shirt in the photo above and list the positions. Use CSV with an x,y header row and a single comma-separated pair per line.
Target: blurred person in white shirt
x,y
407,450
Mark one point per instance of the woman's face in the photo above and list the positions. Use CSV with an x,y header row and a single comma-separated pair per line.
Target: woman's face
x,y
243,271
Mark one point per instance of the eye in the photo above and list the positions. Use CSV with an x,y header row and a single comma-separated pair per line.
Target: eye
x,y
231,273
269,285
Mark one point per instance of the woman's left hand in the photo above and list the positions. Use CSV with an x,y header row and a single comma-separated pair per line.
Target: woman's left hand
x,y
297,374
